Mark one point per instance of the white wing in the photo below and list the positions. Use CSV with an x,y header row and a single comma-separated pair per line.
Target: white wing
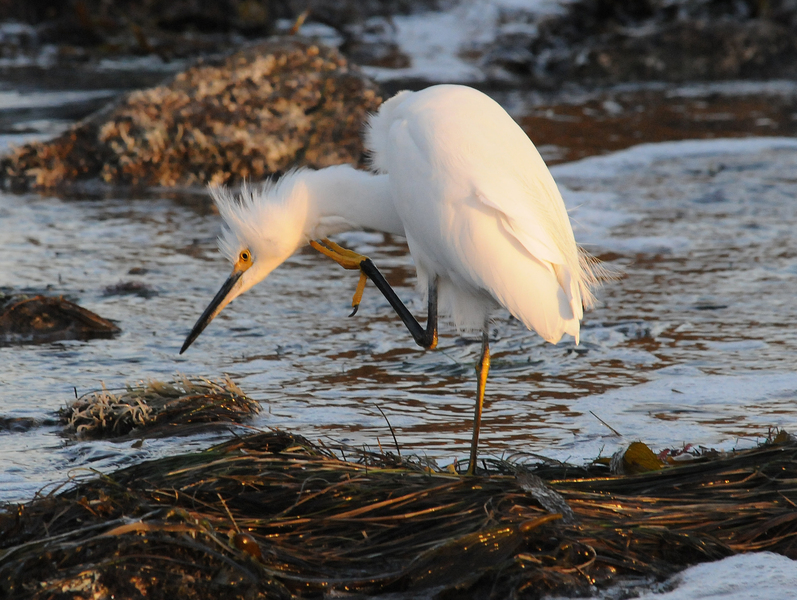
x,y
454,145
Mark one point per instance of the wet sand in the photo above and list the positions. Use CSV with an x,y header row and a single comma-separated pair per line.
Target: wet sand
x,y
614,120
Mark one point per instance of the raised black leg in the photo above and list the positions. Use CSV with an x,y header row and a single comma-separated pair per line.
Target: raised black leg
x,y
348,259
426,338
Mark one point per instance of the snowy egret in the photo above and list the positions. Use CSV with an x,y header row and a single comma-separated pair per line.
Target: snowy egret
x,y
459,179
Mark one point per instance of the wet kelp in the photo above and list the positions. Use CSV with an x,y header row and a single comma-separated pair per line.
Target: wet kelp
x,y
273,516
158,408
40,319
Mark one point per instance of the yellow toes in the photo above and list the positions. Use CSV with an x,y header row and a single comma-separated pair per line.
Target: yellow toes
x,y
348,259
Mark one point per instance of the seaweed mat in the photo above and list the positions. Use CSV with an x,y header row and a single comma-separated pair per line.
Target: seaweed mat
x,y
273,516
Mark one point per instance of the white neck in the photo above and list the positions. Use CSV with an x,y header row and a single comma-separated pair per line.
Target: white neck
x,y
304,205
341,198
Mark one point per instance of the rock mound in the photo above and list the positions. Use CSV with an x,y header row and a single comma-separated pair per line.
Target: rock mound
x,y
44,319
606,42
265,109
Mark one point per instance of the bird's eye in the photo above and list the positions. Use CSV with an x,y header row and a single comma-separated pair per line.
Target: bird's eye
x,y
245,256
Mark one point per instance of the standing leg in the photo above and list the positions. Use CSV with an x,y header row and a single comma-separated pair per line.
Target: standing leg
x,y
430,334
482,368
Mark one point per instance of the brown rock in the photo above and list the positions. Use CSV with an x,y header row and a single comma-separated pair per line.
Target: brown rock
x,y
606,42
265,109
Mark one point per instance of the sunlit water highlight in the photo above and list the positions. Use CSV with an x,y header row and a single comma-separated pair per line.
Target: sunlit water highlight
x,y
694,344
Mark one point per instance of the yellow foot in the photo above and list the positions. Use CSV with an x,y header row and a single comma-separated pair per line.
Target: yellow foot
x,y
348,259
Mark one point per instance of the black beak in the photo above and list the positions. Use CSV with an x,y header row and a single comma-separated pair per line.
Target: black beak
x,y
219,301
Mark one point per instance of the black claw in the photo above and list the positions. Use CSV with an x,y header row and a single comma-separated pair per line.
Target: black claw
x,y
354,312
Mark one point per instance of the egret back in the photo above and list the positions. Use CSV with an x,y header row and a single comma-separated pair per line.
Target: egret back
x,y
480,207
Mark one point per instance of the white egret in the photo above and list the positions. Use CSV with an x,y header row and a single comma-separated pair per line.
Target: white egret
x,y
455,175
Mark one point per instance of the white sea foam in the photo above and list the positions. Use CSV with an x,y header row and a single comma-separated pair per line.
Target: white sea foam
x,y
755,576
600,197
445,46
434,43
643,155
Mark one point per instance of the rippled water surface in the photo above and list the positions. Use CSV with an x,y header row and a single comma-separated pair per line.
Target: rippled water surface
x,y
694,343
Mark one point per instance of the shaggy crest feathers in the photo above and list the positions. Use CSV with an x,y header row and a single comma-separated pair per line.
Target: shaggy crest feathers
x,y
277,206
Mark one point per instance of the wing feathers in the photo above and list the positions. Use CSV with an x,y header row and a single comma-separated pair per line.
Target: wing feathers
x,y
448,146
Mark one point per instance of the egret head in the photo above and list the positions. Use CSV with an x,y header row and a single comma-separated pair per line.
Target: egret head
x,y
262,228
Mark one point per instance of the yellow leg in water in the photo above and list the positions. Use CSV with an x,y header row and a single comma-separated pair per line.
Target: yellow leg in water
x,y
348,259
482,368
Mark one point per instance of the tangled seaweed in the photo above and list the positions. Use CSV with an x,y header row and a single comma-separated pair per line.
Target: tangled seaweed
x,y
158,407
274,516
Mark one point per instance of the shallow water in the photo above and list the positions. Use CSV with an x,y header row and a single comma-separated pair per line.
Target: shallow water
x,y
691,345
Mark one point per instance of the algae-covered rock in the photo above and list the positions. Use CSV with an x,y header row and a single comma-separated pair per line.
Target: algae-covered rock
x,y
265,109
606,42
42,319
